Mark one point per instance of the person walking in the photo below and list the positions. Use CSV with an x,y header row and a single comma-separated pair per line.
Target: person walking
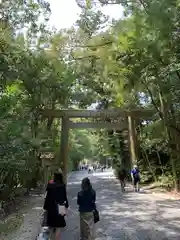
x,y
56,205
122,177
135,175
86,199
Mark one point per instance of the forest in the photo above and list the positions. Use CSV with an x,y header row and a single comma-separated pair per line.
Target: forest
x,y
128,63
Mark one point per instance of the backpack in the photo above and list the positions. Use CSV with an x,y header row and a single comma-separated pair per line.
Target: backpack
x,y
136,173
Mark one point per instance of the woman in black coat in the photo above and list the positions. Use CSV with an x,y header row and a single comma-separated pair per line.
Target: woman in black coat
x,y
56,196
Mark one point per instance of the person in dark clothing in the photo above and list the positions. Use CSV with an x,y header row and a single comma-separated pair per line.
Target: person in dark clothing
x,y
56,198
135,175
86,200
122,178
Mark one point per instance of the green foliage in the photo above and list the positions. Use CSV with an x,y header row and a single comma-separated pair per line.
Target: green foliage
x,y
31,78
141,68
83,145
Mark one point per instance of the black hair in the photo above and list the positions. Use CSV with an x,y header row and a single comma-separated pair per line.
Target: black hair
x,y
58,178
86,184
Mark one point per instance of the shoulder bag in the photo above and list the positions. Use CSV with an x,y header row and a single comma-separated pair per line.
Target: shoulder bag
x,y
96,216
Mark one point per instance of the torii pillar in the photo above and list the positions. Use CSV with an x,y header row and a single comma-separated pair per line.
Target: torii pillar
x,y
64,146
132,140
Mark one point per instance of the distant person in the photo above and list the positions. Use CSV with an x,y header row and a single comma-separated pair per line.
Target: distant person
x,y
135,175
55,205
122,177
102,168
86,201
90,169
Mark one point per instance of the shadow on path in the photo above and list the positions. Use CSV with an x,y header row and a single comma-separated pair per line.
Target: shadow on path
x,y
126,216
130,216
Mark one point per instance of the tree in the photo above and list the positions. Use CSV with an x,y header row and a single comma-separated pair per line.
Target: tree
x,y
145,52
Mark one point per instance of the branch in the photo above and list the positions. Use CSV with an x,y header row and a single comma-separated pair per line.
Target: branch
x,y
152,99
96,46
86,57
120,56
109,2
174,127
83,3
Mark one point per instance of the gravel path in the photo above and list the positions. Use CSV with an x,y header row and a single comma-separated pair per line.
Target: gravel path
x,y
133,216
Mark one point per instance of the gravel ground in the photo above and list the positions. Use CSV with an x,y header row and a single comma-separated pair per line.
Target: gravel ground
x,y
130,215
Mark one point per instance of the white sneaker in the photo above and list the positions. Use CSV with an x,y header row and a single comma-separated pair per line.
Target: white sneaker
x,y
45,229
42,236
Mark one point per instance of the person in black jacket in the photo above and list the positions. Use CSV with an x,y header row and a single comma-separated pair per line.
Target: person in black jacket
x,y
86,200
122,177
56,197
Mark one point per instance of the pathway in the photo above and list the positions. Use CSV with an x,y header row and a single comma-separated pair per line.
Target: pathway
x,y
130,215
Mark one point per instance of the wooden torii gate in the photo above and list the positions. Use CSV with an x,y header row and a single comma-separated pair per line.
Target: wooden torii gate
x,y
130,116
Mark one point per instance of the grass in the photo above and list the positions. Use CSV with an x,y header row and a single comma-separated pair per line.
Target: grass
x,y
15,219
157,186
10,224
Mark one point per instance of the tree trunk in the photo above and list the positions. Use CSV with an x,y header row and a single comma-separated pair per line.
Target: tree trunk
x,y
149,165
164,111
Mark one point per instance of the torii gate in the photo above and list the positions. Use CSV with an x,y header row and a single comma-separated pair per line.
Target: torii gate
x,y
130,116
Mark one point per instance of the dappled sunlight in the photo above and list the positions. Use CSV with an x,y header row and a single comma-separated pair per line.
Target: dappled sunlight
x,y
38,208
129,215
74,183
134,215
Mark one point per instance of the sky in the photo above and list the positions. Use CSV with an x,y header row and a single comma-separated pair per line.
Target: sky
x,y
65,12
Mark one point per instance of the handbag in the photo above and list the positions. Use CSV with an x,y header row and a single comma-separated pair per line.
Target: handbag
x,y
61,210
96,216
